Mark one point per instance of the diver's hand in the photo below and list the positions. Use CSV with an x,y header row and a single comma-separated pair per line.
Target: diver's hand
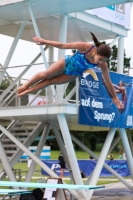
x,y
39,41
118,103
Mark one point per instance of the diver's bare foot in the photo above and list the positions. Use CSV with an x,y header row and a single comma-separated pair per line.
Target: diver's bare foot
x,y
22,88
23,93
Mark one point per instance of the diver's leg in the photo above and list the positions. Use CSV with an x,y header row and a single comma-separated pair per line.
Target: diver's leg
x,y
56,80
55,69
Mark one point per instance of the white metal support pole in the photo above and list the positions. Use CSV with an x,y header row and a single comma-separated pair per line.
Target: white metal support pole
x,y
120,55
6,164
61,144
41,47
71,93
14,44
50,58
122,130
114,41
37,33
114,143
70,151
69,148
61,53
105,165
51,54
28,152
102,158
63,149
127,150
38,151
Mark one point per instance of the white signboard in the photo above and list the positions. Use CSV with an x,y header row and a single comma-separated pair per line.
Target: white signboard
x,y
40,100
54,193
119,14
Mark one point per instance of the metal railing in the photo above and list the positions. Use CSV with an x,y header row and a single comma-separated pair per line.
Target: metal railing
x,y
9,96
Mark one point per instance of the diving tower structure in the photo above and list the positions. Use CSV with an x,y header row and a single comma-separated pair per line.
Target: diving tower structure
x,y
61,21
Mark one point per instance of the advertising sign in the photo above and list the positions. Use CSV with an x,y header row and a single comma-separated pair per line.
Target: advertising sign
x,y
87,166
119,14
96,104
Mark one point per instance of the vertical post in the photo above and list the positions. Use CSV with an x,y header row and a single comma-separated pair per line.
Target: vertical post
x,y
6,164
120,55
69,149
19,99
114,41
14,44
127,150
50,58
38,35
51,54
101,159
61,53
61,144
38,151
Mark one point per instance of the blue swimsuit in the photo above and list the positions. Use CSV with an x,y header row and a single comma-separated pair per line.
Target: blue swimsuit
x,y
75,65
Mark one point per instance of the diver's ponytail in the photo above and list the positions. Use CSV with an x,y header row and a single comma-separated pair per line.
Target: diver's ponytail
x,y
97,43
102,49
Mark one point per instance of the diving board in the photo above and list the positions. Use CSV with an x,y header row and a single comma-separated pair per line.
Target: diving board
x,y
45,185
13,191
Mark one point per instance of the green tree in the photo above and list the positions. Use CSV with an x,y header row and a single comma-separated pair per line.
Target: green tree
x,y
112,62
5,83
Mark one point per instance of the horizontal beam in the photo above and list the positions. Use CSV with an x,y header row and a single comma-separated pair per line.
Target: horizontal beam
x,y
38,110
57,7
99,22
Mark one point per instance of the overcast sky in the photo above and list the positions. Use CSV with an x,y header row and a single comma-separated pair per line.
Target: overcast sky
x,y
26,51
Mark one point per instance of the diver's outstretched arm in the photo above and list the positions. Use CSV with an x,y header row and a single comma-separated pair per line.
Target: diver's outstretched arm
x,y
82,46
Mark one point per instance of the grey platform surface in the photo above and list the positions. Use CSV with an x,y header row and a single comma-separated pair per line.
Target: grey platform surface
x,y
114,191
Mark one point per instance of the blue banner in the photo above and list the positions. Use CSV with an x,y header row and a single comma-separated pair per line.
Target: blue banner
x,y
87,166
96,106
55,166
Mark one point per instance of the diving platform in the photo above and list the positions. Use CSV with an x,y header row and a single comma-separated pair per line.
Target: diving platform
x,y
48,114
64,21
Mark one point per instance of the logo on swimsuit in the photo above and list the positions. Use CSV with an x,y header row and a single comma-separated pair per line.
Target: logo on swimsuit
x,y
90,72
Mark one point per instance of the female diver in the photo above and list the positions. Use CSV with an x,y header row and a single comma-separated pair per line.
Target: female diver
x,y
67,69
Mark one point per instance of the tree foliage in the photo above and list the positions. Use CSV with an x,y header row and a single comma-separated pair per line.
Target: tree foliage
x,y
5,83
112,62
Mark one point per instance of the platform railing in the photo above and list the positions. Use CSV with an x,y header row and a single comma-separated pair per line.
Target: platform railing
x,y
9,98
